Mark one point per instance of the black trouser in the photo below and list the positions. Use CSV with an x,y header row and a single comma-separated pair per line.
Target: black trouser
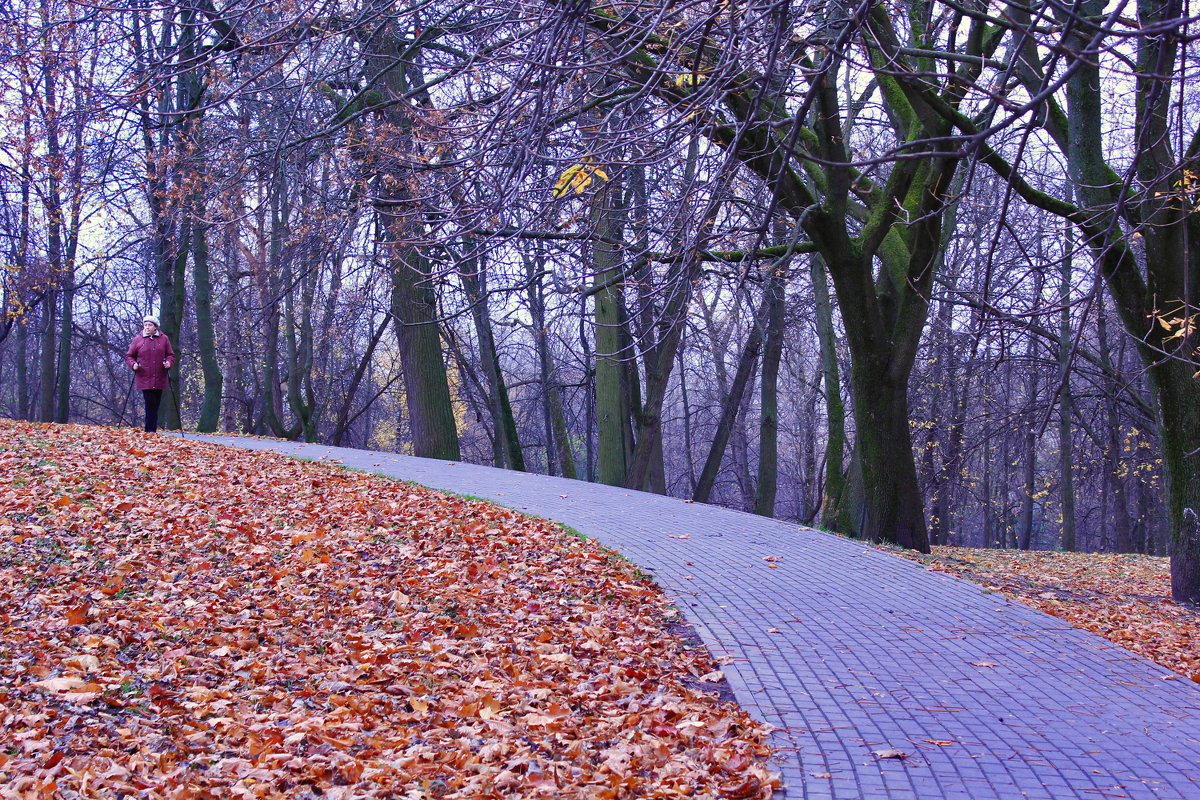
x,y
153,398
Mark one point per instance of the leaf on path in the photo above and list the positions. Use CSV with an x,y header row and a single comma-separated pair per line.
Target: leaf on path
x,y
889,753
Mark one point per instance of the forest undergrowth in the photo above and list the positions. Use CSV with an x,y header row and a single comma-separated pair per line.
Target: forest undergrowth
x,y
186,621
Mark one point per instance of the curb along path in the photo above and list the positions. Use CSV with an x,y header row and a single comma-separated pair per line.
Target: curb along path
x,y
851,653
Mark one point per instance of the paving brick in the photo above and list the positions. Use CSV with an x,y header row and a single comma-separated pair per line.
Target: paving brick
x,y
846,650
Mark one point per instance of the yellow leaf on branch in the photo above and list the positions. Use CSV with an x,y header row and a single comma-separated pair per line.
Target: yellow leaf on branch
x,y
577,178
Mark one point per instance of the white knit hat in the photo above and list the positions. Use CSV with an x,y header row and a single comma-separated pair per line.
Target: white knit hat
x,y
151,318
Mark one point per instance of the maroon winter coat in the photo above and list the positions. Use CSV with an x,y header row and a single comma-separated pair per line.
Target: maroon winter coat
x,y
148,354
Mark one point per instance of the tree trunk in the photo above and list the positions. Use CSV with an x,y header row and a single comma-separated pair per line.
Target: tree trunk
x,y
1172,267
1066,456
474,279
426,388
270,283
687,420
1113,469
768,428
46,382
730,406
210,407
892,499
558,444
647,467
234,364
613,428
1029,436
589,385
883,321
297,327
344,418
22,366
62,411
834,516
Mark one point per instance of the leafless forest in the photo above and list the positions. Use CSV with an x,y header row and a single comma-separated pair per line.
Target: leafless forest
x,y
923,271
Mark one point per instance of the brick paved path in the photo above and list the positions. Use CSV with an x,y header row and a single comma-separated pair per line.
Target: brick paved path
x,y
849,651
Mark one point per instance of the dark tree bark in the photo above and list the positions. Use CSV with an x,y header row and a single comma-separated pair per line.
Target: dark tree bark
x,y
46,382
426,389
210,406
1066,455
835,516
613,409
768,429
1111,444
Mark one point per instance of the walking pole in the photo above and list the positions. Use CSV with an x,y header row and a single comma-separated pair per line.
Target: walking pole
x,y
121,418
178,410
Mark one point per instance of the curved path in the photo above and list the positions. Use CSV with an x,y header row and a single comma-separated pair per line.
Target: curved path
x,y
851,652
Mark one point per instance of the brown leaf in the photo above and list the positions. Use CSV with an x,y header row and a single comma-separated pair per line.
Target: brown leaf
x,y
77,615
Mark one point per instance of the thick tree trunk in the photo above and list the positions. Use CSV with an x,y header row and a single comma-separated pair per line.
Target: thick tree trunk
x,y
1179,402
1111,444
61,269
1171,285
614,431
210,407
883,323
426,388
891,504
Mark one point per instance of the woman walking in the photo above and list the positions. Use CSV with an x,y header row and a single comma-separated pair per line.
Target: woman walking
x,y
150,356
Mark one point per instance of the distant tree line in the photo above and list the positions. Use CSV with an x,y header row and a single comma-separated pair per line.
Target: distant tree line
x,y
923,272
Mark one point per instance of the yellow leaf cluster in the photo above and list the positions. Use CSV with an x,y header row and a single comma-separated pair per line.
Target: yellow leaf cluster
x,y
688,80
578,177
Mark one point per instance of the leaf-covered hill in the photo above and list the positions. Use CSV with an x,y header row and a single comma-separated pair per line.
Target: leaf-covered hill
x,y
180,620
